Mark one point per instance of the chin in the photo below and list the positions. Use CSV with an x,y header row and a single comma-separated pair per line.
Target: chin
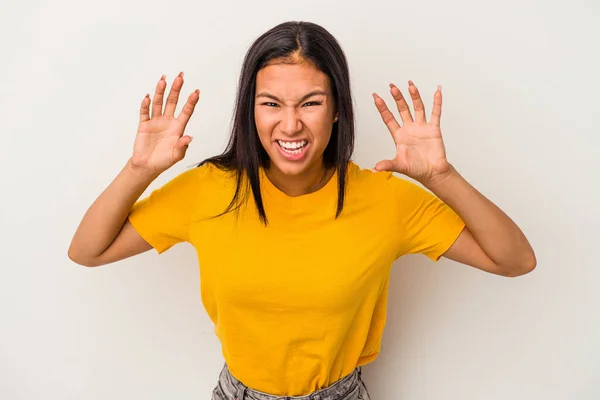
x,y
290,168
291,163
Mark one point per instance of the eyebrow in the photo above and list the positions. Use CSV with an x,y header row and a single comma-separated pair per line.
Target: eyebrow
x,y
306,96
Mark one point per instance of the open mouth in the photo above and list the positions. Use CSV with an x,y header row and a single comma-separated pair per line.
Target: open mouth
x,y
293,150
292,147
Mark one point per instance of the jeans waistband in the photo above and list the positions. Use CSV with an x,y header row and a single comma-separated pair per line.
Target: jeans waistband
x,y
233,388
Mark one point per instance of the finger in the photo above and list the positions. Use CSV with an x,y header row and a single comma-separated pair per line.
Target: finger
x,y
157,102
417,102
188,108
385,165
436,112
145,109
386,115
181,147
174,95
401,104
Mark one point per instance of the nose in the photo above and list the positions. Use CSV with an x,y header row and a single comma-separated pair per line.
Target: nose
x,y
290,123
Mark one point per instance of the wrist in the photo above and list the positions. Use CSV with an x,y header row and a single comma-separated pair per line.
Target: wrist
x,y
443,179
141,173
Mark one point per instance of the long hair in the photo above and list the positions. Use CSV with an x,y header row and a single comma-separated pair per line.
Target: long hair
x,y
244,153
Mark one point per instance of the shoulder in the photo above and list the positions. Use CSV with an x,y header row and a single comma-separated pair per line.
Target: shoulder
x,y
202,184
373,183
368,179
201,176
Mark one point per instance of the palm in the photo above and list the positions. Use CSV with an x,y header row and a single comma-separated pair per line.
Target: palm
x,y
420,151
156,141
160,142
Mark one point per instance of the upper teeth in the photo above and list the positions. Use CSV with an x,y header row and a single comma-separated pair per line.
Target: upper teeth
x,y
292,145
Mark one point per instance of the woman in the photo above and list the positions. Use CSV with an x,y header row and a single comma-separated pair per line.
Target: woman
x,y
294,240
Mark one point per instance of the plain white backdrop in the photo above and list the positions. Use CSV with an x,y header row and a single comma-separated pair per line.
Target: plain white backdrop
x,y
521,97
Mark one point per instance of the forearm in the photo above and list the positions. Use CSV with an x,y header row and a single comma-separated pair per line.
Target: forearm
x,y
497,235
104,219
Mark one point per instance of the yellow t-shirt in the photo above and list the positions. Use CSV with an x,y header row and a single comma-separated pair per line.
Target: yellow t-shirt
x,y
298,304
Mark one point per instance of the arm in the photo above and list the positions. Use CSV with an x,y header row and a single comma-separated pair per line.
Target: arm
x,y
491,241
105,234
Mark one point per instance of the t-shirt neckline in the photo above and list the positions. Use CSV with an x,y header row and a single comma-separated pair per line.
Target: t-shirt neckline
x,y
326,192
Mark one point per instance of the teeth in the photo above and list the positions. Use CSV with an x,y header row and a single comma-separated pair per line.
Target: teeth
x,y
292,146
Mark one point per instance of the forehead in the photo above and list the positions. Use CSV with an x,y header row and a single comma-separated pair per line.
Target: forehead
x,y
291,79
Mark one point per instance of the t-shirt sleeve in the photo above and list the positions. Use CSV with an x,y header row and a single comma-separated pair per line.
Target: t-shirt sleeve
x,y
163,218
427,225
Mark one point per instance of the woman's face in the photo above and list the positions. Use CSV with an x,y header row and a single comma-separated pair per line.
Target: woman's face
x,y
294,113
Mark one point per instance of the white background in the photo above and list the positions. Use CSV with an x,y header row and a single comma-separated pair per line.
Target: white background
x,y
521,97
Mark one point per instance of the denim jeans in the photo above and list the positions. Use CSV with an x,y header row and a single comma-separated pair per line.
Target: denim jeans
x,y
350,387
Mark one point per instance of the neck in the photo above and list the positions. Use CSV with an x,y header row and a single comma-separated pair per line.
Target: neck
x,y
311,180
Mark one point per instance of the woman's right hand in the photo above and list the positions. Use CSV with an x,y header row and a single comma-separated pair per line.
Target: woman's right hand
x,y
160,141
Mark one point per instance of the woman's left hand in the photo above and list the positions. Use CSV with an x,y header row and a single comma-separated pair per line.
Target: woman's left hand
x,y
420,151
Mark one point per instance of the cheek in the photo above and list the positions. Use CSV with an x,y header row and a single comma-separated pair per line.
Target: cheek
x,y
265,126
320,126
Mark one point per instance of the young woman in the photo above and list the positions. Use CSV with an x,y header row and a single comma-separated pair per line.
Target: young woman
x,y
295,242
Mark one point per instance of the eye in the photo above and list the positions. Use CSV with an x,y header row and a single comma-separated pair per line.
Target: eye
x,y
312,103
270,104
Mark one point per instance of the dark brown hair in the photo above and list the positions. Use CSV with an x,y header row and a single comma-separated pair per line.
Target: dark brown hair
x,y
287,42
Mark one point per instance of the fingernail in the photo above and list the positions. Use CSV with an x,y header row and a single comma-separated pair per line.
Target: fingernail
x,y
410,83
163,77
